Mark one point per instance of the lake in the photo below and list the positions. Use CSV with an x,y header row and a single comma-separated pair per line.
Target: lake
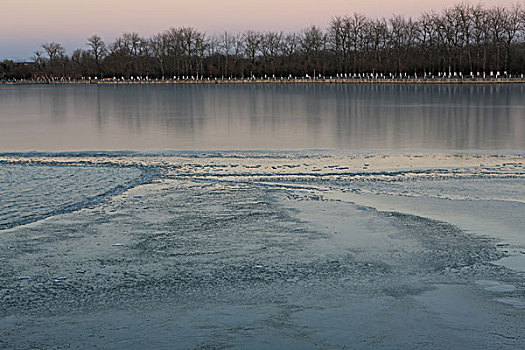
x,y
399,241
262,117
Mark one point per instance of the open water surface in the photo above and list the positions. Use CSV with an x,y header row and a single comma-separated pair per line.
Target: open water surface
x,y
262,117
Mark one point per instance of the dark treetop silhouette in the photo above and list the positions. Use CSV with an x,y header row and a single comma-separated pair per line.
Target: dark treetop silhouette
x,y
466,39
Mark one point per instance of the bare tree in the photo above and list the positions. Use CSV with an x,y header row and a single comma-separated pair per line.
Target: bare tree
x,y
225,43
355,26
194,45
98,51
402,37
54,51
81,63
252,42
496,29
159,50
465,21
38,60
290,48
313,41
56,58
379,41
481,35
513,24
338,38
271,44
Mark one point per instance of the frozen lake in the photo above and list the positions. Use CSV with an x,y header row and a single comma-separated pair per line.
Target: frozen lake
x,y
296,250
407,233
269,117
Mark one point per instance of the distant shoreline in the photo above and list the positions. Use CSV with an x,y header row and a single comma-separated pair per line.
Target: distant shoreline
x,y
437,80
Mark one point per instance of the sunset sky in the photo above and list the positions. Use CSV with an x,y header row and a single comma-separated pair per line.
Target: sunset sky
x,y
25,24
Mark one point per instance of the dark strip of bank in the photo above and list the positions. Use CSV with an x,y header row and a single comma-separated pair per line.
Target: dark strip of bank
x,y
386,80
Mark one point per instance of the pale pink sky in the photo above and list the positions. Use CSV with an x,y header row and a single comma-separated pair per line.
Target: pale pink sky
x,y
25,24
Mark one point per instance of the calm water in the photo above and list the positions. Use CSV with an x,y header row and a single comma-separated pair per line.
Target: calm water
x,y
248,117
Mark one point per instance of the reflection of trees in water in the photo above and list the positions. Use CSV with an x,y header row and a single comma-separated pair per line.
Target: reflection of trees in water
x,y
414,116
347,116
293,116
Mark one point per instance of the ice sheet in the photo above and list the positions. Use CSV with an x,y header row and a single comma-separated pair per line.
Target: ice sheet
x,y
273,250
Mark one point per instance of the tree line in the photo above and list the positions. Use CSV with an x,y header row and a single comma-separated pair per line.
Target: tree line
x,y
463,38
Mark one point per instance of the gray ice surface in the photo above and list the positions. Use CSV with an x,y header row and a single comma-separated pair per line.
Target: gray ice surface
x,y
198,261
32,191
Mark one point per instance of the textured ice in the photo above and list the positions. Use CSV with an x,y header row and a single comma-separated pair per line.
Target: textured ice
x,y
272,250
495,286
31,192
518,303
